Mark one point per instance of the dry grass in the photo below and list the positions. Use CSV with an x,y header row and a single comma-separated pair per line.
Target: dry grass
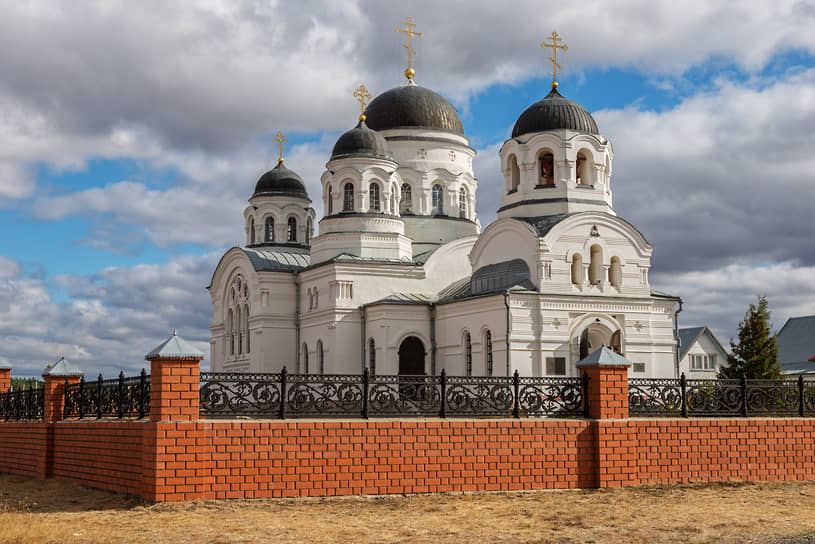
x,y
49,511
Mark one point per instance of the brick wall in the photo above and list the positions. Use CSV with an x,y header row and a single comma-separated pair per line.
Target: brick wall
x,y
24,448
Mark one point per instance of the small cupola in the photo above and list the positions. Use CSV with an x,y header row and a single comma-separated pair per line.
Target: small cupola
x,y
361,141
280,181
554,112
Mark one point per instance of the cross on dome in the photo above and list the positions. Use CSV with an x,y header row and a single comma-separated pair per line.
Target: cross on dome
x,y
362,95
279,140
554,45
410,72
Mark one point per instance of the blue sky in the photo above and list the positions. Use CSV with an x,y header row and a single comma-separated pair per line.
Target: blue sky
x,y
129,148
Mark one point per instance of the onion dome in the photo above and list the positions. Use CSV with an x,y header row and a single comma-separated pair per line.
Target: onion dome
x,y
552,113
361,141
412,106
280,181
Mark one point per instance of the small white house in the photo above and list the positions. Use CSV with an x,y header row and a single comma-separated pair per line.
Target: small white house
x,y
700,353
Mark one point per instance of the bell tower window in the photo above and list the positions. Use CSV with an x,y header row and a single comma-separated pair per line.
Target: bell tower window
x,y
596,265
438,200
373,198
269,230
291,230
583,172
406,204
577,269
330,200
348,197
309,227
546,166
462,203
615,274
514,174
252,230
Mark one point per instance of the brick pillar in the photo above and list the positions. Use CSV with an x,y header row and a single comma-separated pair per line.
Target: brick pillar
x,y
55,377
175,378
5,378
608,387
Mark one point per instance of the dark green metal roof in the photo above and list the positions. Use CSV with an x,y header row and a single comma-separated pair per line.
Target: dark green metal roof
x,y
277,258
280,181
412,106
554,112
361,141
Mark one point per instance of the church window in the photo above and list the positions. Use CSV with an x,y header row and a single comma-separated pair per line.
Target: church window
x,y
514,174
309,226
546,166
239,330
246,325
582,169
291,230
468,354
556,366
406,204
438,200
488,361
596,265
320,357
615,274
252,230
373,198
372,357
348,197
330,200
462,203
229,332
269,236
305,358
237,317
577,269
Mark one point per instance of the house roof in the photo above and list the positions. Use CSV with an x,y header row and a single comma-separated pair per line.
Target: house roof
x,y
689,335
796,344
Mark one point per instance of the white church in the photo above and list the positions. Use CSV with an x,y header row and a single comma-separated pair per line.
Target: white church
x,y
399,277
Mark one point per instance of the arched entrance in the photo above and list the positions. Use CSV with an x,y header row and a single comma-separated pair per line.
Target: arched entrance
x,y
411,357
596,335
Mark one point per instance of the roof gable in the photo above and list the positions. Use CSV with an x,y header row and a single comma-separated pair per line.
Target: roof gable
x,y
796,340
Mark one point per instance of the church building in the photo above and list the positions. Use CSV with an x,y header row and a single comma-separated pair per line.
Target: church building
x,y
399,277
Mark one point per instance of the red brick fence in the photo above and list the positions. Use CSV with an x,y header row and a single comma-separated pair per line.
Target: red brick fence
x,y
174,455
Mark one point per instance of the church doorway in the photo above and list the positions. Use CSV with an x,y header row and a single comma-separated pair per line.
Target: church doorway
x,y
596,335
411,357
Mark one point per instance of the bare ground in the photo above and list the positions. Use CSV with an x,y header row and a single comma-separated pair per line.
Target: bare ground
x,y
50,511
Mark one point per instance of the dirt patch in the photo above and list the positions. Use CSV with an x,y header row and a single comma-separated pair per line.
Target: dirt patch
x,y
51,511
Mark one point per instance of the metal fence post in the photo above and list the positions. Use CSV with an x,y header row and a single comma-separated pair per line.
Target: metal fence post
x,y
143,393
81,402
120,403
65,401
585,385
801,403
683,391
744,395
443,381
99,396
283,378
366,380
516,393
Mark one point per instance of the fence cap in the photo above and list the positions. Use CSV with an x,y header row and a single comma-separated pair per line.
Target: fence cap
x,y
604,357
63,368
4,364
174,347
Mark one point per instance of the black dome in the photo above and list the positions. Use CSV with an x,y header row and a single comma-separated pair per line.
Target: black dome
x,y
411,106
361,141
280,181
552,113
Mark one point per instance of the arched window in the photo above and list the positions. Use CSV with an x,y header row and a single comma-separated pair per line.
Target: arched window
x,y
514,174
438,200
320,357
330,200
309,226
596,266
373,198
269,230
372,357
406,204
305,358
348,197
230,331
468,354
615,273
582,168
239,330
488,362
546,167
462,203
291,230
252,230
577,269
246,325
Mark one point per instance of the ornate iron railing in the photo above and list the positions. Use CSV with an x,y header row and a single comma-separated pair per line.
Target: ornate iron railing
x,y
22,405
699,398
118,398
285,395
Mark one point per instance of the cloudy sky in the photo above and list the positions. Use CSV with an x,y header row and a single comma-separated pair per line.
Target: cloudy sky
x,y
132,133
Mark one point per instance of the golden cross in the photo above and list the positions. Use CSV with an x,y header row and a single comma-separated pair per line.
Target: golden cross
x,y
362,94
410,72
554,45
279,140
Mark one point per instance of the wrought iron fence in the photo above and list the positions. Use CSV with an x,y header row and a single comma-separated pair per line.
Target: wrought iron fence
x,y
282,395
699,398
117,398
22,405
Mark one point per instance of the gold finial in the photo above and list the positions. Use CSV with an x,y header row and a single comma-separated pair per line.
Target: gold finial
x,y
410,72
362,94
554,45
279,140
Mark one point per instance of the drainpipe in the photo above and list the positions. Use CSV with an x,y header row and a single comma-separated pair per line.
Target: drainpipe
x,y
676,340
297,322
509,328
432,339
363,311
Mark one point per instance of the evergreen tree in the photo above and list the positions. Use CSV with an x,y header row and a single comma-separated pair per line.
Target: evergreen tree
x,y
756,353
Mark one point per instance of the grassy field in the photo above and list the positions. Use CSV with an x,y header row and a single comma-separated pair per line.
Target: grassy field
x,y
50,511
